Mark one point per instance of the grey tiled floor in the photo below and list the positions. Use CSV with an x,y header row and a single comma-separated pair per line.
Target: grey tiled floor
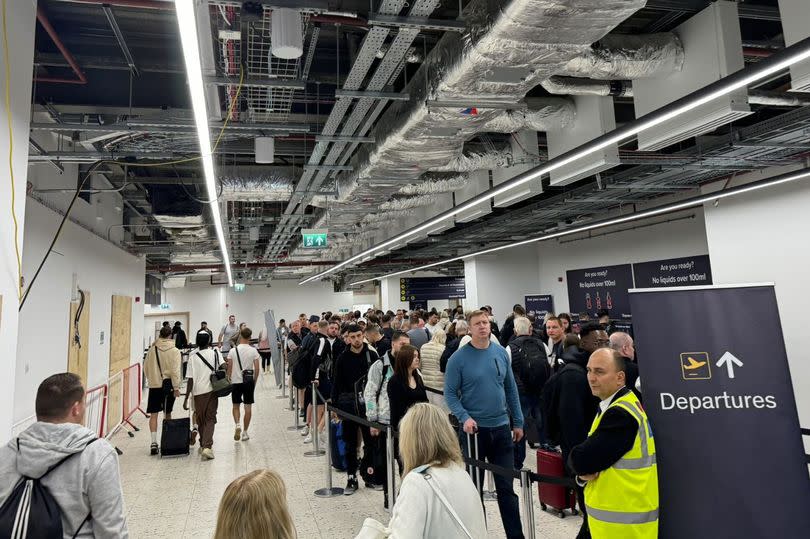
x,y
178,497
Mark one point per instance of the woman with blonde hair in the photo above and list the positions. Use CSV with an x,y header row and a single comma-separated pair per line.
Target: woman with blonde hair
x,y
430,366
254,506
437,499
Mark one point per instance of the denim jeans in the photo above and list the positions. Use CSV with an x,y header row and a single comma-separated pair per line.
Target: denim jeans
x,y
530,406
496,447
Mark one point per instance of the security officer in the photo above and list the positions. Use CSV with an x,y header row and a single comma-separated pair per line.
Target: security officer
x,y
617,461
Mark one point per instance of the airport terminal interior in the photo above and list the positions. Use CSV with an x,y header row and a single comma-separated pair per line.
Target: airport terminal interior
x,y
638,169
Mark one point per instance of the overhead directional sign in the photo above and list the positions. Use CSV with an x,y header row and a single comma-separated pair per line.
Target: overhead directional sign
x,y
425,288
716,385
314,238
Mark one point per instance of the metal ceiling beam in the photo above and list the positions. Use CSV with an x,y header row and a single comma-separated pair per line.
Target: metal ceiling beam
x,y
746,11
418,23
289,84
173,127
339,138
358,94
120,37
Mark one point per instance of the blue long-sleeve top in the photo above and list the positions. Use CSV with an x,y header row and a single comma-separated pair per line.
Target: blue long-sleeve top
x,y
480,384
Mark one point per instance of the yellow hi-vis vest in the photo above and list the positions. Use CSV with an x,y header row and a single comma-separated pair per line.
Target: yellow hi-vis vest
x,y
622,502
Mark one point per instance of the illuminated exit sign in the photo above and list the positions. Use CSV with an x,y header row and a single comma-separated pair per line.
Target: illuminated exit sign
x,y
313,238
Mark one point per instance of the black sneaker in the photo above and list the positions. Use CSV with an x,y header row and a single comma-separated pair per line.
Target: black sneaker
x,y
153,449
385,503
351,486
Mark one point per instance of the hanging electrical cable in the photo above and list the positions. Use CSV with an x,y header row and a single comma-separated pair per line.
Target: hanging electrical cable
x,y
11,156
77,336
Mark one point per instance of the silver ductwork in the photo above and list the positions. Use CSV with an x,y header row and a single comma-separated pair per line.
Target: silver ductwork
x,y
505,52
434,184
408,203
576,86
628,57
545,114
268,187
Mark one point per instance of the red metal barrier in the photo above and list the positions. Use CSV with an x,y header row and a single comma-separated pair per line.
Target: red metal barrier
x,y
95,409
133,395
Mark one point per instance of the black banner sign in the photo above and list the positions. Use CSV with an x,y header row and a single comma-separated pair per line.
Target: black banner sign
x,y
686,271
717,388
425,288
594,289
539,305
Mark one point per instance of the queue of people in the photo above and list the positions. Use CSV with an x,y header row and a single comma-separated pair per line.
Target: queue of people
x,y
572,386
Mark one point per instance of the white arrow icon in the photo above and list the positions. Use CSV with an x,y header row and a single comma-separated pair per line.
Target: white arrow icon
x,y
729,360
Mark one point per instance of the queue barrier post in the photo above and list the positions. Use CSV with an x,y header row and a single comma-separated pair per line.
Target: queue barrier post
x,y
475,473
390,463
297,425
489,492
528,504
316,450
283,376
329,491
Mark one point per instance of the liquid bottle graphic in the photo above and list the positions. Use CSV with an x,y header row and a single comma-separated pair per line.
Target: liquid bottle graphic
x,y
609,301
598,302
588,304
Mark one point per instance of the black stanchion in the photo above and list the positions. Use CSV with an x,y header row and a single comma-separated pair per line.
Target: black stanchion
x,y
313,429
328,491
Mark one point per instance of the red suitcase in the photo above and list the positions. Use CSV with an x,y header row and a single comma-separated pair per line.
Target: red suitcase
x,y
557,497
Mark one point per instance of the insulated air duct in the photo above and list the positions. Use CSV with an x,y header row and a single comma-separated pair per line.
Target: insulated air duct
x,y
286,34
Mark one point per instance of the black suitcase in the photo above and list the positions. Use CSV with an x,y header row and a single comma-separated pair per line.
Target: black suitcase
x,y
175,437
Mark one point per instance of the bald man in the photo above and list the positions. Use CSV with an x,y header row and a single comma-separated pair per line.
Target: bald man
x,y
617,464
623,344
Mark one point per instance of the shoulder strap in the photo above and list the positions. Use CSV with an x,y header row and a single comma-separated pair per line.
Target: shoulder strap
x,y
238,358
55,466
199,355
425,473
427,332
157,357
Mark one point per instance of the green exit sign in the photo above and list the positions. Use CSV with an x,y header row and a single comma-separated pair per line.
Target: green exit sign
x,y
239,287
313,238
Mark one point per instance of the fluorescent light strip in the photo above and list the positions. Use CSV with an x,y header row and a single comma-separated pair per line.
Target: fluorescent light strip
x,y
669,208
620,135
187,23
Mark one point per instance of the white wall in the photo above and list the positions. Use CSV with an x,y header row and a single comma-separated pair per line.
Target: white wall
x,y
762,237
103,270
501,280
21,24
682,237
286,298
389,293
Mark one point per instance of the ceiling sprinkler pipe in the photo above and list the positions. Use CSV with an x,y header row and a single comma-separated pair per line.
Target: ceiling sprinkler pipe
x,y
138,4
46,25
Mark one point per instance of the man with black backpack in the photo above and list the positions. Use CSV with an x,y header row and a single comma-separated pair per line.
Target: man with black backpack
x,y
56,478
531,369
351,370
327,349
568,403
204,366
162,368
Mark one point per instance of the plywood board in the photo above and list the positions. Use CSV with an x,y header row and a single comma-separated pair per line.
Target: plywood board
x,y
77,353
120,333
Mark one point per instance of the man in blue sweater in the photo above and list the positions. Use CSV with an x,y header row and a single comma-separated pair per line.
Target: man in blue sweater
x,y
480,390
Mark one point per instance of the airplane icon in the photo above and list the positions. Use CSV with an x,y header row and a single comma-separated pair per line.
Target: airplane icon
x,y
695,366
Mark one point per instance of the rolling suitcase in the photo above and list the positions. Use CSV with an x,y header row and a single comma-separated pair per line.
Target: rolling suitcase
x,y
557,497
175,437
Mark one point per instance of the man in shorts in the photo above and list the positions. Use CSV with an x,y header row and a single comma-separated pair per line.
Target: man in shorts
x,y
162,363
243,359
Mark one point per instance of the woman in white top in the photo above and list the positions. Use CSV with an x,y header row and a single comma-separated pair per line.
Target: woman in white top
x,y
437,499
205,402
431,355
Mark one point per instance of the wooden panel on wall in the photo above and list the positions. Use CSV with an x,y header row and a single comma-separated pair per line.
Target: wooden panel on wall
x,y
77,354
120,349
120,333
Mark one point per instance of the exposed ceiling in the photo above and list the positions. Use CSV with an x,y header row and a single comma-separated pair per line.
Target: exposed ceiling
x,y
344,116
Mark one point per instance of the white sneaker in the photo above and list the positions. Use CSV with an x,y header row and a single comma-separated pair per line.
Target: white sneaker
x,y
207,454
308,439
245,436
237,433
305,431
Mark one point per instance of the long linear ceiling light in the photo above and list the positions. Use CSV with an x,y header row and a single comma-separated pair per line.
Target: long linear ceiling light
x,y
652,212
187,23
741,79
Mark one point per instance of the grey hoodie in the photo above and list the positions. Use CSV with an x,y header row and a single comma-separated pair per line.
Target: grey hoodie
x,y
86,483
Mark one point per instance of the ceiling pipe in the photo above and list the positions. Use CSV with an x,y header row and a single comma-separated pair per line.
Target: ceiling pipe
x,y
172,268
357,22
46,24
138,4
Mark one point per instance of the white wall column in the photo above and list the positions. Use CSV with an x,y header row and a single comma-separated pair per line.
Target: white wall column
x,y
21,26
501,280
761,237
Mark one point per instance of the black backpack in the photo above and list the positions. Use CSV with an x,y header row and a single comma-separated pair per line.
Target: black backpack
x,y
30,511
529,355
550,403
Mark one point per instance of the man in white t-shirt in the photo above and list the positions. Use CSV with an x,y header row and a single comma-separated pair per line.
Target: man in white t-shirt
x,y
201,364
243,359
226,334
